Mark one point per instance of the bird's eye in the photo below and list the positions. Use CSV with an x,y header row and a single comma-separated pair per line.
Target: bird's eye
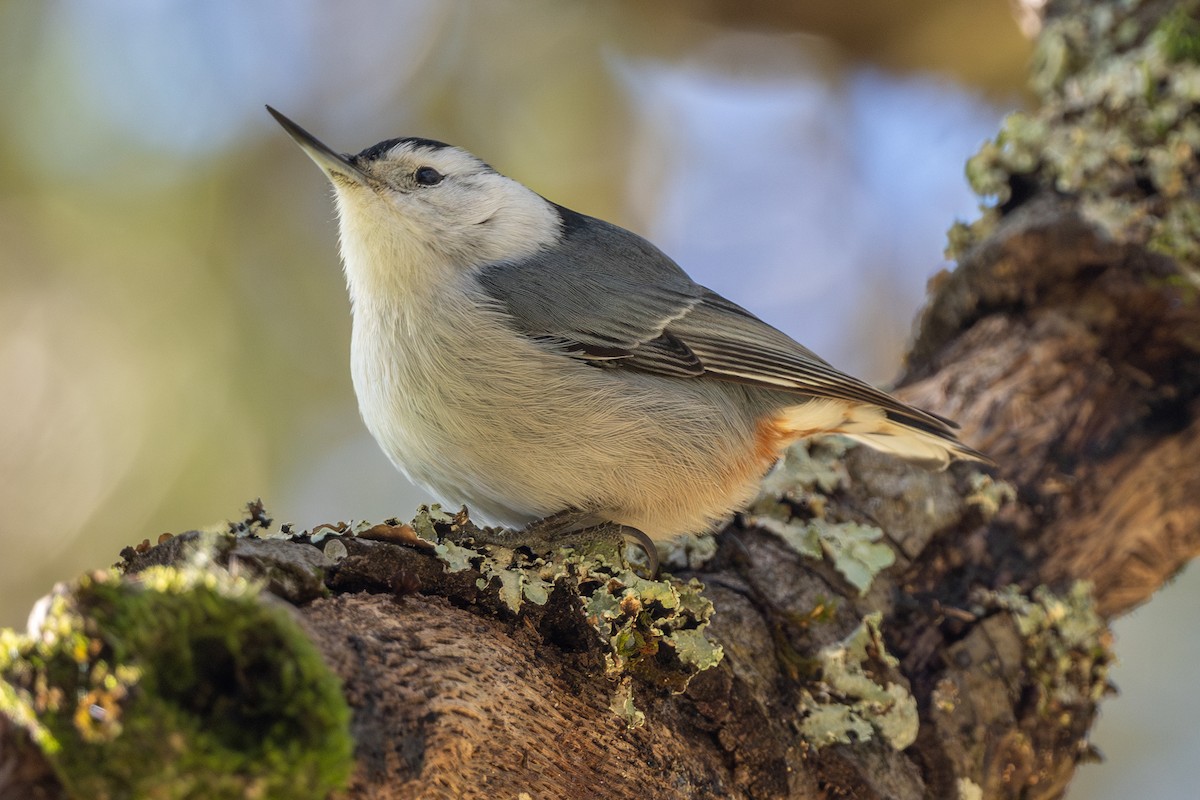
x,y
427,176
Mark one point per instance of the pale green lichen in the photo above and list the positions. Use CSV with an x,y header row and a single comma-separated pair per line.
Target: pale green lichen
x,y
808,472
644,620
516,582
847,705
655,630
798,534
1067,644
456,557
856,551
693,647
428,517
1115,128
623,706
690,552
516,585
334,551
176,683
969,790
989,494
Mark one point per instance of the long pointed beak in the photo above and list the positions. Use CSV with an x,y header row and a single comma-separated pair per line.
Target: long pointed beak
x,y
331,163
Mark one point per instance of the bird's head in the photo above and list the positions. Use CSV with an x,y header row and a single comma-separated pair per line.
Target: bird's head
x,y
413,210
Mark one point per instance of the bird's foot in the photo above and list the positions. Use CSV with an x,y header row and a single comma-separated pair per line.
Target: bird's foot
x,y
581,530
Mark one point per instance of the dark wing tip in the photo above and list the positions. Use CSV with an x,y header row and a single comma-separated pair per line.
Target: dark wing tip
x,y
941,427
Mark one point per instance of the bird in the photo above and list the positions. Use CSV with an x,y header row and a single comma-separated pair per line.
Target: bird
x,y
536,363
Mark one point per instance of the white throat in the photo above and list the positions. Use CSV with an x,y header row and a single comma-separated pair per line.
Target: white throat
x,y
401,246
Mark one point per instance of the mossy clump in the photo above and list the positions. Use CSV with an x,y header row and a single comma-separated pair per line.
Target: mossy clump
x,y
1180,33
177,682
1116,129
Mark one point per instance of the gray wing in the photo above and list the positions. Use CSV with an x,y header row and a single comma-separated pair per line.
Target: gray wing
x,y
607,296
603,295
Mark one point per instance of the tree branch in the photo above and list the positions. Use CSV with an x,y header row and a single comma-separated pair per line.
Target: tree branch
x,y
1066,342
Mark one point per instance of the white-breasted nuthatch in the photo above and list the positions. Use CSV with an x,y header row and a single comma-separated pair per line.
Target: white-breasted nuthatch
x,y
525,359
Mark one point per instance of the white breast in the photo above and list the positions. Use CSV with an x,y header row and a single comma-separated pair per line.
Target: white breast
x,y
478,415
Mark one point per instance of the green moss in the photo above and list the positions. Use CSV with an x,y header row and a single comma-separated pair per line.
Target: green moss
x,y
1180,34
177,683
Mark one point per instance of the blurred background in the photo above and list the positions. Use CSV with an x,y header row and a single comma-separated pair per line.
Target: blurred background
x,y
174,330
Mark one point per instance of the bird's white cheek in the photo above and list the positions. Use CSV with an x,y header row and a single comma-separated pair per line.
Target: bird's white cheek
x,y
516,229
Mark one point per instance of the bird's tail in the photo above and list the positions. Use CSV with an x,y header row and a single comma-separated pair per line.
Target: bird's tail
x,y
909,433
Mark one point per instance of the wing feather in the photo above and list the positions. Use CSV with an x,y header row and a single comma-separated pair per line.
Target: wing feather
x,y
744,348
608,297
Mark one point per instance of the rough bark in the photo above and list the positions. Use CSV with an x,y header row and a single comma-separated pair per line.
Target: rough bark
x,y
1066,342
